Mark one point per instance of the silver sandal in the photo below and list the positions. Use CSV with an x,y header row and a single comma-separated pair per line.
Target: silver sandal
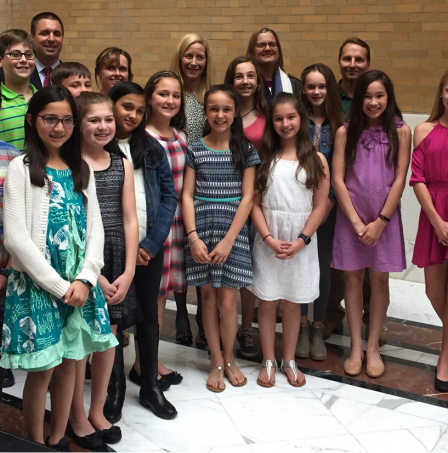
x,y
268,364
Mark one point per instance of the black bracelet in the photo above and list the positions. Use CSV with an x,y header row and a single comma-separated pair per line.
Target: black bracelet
x,y
267,236
192,231
383,217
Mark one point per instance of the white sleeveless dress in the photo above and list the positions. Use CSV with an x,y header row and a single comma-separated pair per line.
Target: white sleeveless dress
x,y
286,205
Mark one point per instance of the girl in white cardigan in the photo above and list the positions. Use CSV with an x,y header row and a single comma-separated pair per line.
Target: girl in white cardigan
x,y
55,313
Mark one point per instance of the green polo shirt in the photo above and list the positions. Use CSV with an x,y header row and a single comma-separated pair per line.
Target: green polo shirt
x,y
346,100
12,117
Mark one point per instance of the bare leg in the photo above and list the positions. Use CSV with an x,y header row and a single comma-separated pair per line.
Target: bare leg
x,y
379,301
62,386
266,322
102,363
211,325
34,396
78,419
228,328
247,308
353,308
291,327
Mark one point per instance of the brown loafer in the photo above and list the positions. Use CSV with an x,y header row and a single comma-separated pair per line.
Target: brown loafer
x,y
353,370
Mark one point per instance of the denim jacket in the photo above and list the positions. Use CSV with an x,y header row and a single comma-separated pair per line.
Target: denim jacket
x,y
161,198
325,148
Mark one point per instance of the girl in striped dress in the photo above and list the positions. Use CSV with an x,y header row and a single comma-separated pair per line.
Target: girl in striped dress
x,y
165,120
217,199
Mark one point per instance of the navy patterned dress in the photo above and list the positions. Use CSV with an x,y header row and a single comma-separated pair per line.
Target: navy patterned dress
x,y
217,197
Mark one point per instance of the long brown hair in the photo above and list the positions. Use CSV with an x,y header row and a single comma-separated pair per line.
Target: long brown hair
x,y
438,109
271,147
333,107
259,101
253,40
358,119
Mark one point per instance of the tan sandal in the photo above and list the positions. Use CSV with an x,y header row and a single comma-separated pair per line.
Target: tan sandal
x,y
216,389
268,364
228,367
291,364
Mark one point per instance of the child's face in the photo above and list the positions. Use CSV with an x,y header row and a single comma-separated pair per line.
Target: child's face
x,y
17,69
245,80
53,137
77,84
286,120
375,101
98,125
166,98
129,111
315,89
220,111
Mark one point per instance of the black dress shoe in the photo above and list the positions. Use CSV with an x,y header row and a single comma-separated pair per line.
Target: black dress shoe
x,y
151,397
174,378
111,435
62,445
184,338
8,379
91,441
441,386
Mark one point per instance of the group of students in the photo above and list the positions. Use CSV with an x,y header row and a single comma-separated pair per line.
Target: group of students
x,y
126,195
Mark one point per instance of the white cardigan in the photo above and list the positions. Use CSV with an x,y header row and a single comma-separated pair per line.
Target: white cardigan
x,y
25,220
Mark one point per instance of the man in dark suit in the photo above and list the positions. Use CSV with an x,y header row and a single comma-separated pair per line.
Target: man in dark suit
x,y
47,31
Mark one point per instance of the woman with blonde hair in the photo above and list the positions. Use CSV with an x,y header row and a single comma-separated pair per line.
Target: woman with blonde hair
x,y
192,63
264,47
112,66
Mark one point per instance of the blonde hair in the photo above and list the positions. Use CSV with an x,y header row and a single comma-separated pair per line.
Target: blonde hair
x,y
438,109
176,64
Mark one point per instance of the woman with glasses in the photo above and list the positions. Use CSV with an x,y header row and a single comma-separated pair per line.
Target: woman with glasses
x,y
192,63
264,47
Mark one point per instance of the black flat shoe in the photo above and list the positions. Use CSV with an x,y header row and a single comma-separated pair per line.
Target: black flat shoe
x,y
62,445
91,441
441,386
184,338
111,435
174,378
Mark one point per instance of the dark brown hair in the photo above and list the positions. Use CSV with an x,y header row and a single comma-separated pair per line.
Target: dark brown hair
x,y
36,153
358,42
14,36
65,70
178,120
358,119
45,15
333,107
271,147
259,101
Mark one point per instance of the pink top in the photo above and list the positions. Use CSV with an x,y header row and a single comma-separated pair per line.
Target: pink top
x,y
430,167
254,132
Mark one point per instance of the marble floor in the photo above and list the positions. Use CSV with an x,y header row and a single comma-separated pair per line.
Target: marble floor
x,y
330,413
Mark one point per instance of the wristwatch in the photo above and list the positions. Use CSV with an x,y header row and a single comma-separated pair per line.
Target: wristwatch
x,y
306,239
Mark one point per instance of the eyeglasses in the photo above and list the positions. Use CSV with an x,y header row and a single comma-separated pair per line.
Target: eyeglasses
x,y
16,55
53,121
262,45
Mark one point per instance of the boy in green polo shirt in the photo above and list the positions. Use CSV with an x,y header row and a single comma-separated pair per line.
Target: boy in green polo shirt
x,y
17,61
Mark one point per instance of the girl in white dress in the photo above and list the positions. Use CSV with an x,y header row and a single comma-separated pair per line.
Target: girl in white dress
x,y
292,185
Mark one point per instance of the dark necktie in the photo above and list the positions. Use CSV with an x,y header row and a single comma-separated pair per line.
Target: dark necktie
x,y
47,80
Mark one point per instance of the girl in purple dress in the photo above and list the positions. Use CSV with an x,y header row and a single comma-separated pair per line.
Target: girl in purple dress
x,y
370,163
430,183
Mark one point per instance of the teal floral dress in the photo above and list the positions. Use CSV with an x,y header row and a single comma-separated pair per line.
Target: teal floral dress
x,y
39,329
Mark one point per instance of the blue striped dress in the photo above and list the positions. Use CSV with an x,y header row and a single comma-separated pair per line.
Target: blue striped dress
x,y
217,197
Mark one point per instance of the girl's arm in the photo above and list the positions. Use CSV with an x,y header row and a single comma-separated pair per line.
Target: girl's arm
x,y
261,226
372,232
93,259
130,225
342,195
418,181
320,197
17,239
220,253
198,249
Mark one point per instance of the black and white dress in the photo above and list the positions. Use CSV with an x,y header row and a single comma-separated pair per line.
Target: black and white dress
x,y
109,187
195,118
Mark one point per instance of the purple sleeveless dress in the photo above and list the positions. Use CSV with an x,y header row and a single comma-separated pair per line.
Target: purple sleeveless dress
x,y
368,182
